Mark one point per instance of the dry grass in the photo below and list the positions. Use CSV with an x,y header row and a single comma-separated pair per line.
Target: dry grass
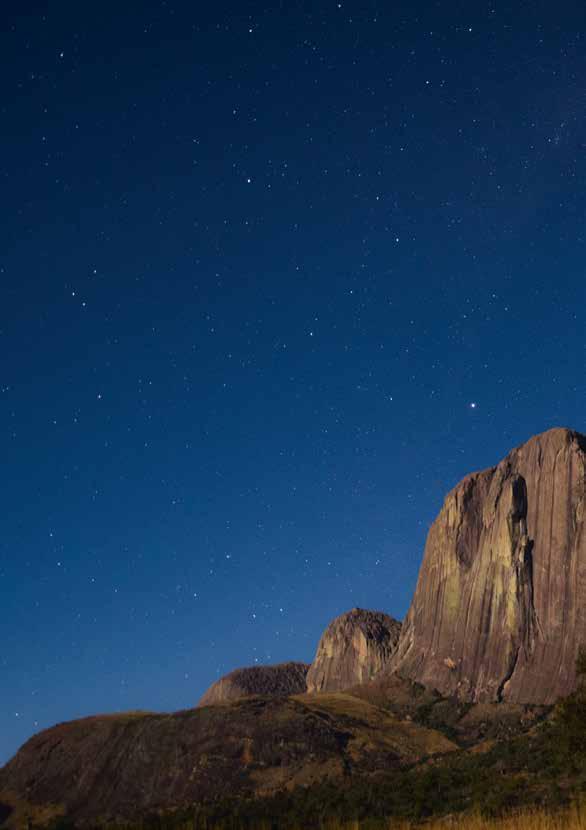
x,y
571,819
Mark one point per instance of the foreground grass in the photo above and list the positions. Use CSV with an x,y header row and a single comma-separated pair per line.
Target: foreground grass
x,y
573,818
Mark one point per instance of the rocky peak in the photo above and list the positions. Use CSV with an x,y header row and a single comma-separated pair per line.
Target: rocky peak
x,y
352,650
277,681
498,609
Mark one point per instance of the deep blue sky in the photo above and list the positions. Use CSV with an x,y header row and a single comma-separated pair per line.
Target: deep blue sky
x,y
273,279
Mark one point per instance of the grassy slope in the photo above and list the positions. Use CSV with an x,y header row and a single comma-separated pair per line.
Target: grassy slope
x,y
128,765
382,763
541,768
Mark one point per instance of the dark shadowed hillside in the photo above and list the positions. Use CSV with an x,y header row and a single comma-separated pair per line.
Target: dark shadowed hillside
x,y
128,765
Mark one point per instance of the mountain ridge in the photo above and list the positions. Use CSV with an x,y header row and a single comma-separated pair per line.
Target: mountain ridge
x,y
488,644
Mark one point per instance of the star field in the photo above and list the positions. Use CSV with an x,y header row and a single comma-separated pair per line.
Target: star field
x,y
273,279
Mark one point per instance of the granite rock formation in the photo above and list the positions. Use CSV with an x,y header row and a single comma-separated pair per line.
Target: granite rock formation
x,y
497,619
277,681
499,608
353,649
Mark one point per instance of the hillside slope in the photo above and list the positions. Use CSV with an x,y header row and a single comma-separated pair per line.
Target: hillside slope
x,y
124,766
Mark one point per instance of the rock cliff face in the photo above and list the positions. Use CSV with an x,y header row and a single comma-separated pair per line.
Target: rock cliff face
x,y
499,608
353,649
280,680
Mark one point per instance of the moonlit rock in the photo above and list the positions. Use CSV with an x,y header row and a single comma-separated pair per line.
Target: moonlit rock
x,y
353,649
276,681
499,608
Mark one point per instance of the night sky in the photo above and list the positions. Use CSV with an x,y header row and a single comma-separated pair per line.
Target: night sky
x,y
274,277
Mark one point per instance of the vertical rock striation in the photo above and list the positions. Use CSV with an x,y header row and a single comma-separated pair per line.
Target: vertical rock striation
x,y
499,608
352,650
